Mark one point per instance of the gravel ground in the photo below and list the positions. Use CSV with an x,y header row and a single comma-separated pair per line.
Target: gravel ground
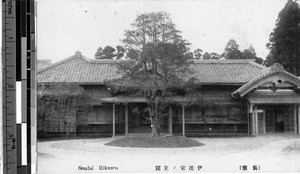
x,y
271,153
155,142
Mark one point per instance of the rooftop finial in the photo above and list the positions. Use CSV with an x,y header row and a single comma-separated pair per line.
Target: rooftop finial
x,y
78,54
276,67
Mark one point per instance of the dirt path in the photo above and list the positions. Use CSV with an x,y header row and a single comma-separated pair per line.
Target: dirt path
x,y
271,153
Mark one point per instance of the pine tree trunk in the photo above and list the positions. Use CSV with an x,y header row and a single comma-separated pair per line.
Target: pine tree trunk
x,y
155,128
155,121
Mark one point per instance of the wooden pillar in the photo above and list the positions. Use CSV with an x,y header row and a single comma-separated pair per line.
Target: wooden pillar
x,y
249,115
250,119
183,120
255,120
295,119
264,121
170,120
126,118
298,119
114,120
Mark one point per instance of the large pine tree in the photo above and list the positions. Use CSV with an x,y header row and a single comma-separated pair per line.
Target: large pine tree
x,y
158,61
284,40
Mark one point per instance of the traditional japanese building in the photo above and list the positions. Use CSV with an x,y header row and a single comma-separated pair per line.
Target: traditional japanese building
x,y
237,97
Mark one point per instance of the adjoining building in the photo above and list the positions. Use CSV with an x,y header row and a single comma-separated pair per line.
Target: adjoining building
x,y
245,97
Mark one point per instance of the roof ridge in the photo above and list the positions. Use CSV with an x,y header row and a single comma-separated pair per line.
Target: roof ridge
x,y
84,58
56,64
108,61
222,61
44,60
256,64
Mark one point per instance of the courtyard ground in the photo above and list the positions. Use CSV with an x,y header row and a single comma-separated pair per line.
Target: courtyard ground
x,y
266,153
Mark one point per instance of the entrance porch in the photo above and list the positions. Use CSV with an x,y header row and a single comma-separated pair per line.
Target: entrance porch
x,y
274,118
273,102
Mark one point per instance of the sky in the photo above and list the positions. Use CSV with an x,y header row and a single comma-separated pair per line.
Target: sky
x,y
64,27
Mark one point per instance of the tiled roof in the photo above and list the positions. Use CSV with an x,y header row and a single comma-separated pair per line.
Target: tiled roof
x,y
41,63
79,69
226,71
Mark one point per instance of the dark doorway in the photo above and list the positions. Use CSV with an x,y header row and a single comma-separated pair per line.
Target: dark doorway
x,y
279,118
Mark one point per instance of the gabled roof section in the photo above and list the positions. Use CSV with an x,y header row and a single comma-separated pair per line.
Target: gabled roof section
x,y
79,69
275,74
227,71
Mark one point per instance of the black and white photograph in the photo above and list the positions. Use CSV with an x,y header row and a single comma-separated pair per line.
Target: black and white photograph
x,y
171,86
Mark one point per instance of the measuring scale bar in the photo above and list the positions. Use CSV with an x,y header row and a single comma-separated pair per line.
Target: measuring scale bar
x,y
9,86
18,54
